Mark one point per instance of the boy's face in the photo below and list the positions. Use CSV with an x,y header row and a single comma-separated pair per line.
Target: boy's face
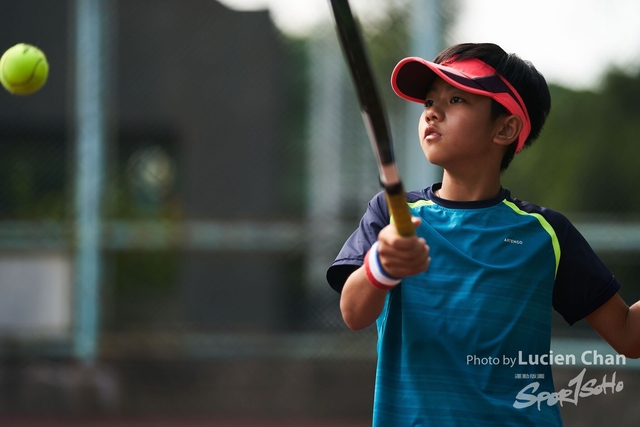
x,y
455,127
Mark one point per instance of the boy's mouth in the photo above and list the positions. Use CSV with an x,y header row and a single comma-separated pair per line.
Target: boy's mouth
x,y
431,133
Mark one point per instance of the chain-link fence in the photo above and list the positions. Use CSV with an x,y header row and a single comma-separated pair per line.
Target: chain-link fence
x,y
170,202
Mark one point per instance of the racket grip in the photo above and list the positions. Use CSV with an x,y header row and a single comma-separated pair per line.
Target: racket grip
x,y
399,210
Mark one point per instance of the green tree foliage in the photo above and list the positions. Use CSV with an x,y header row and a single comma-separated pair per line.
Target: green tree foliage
x,y
587,159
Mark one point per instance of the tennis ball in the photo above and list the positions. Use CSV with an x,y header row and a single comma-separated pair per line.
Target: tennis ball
x,y
23,69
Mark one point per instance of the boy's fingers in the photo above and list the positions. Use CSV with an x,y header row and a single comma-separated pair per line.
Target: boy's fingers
x,y
413,250
403,256
412,258
400,269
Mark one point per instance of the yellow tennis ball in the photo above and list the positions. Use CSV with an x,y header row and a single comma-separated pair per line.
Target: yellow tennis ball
x,y
23,69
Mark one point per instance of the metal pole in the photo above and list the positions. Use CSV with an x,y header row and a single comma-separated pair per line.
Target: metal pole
x,y
323,157
90,143
426,41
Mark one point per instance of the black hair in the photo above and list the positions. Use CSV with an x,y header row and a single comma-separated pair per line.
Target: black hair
x,y
521,74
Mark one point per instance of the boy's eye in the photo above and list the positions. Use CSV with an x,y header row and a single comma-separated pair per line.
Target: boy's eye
x,y
454,100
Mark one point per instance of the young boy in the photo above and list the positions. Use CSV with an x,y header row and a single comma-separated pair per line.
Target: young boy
x,y
483,289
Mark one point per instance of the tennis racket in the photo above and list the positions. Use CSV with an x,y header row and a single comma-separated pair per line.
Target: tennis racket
x,y
373,115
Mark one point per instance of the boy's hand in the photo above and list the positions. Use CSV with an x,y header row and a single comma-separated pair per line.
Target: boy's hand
x,y
402,256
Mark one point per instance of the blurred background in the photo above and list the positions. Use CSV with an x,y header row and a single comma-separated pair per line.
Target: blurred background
x,y
171,199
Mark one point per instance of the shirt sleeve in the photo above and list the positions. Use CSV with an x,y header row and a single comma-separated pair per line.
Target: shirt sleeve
x,y
583,283
351,256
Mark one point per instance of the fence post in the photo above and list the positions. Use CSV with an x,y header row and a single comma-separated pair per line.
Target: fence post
x,y
90,133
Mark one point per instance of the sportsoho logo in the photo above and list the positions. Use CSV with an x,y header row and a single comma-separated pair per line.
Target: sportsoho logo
x,y
577,388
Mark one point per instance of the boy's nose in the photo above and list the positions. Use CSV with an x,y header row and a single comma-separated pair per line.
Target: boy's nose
x,y
432,113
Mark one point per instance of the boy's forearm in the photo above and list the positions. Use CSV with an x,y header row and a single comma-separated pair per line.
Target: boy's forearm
x,y
633,331
361,303
619,325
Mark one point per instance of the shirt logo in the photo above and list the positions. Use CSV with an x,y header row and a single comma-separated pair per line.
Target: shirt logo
x,y
513,241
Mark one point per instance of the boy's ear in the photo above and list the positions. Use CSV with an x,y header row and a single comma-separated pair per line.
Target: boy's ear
x,y
508,129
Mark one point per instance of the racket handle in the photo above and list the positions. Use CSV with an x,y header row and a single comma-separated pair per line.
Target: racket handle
x,y
399,210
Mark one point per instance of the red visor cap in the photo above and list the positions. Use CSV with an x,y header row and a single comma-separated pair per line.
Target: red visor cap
x,y
413,76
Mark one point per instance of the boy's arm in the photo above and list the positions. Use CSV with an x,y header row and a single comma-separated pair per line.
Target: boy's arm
x,y
360,302
619,325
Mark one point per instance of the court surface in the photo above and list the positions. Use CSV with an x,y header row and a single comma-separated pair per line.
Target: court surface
x,y
170,423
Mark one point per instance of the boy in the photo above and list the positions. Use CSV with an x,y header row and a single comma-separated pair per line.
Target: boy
x,y
495,266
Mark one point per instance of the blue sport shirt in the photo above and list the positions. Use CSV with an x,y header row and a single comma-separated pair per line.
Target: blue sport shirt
x,y
447,337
